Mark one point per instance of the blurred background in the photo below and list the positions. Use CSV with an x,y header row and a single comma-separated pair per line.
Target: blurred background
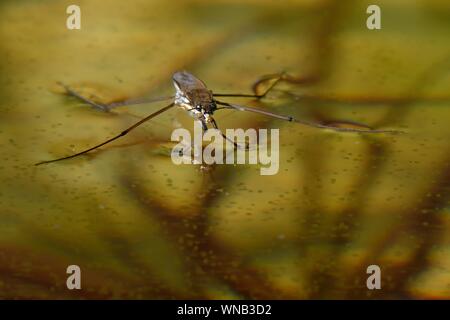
x,y
140,227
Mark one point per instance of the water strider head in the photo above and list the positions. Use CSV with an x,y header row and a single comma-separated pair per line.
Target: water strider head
x,y
193,96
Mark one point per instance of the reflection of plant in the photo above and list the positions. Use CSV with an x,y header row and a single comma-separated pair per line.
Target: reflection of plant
x,y
249,282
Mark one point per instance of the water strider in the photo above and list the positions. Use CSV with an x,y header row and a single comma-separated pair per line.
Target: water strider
x,y
193,96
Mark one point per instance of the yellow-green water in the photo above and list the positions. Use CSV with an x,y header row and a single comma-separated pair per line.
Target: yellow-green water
x,y
141,227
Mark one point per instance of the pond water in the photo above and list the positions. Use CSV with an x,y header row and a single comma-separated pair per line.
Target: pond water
x,y
140,227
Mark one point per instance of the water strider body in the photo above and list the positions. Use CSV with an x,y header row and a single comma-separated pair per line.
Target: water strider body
x,y
193,96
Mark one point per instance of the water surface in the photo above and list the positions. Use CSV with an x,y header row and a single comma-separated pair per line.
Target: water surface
x,y
141,227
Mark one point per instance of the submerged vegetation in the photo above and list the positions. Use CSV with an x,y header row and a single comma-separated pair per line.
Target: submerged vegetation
x,y
140,227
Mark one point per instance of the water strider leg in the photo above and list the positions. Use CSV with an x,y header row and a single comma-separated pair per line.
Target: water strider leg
x,y
108,107
73,93
306,123
138,101
236,145
123,133
257,96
